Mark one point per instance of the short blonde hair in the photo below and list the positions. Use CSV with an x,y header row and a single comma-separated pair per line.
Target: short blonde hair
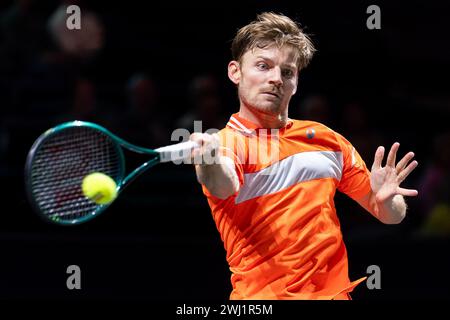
x,y
270,28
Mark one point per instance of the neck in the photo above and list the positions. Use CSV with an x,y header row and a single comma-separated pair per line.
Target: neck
x,y
264,120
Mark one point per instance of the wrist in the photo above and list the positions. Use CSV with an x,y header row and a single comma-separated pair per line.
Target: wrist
x,y
392,210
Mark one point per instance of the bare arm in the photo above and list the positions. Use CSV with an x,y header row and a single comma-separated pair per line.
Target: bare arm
x,y
385,201
392,211
216,172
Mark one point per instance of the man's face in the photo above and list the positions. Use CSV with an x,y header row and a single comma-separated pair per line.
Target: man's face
x,y
266,78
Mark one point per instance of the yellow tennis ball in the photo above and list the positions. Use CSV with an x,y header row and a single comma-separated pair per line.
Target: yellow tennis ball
x,y
99,187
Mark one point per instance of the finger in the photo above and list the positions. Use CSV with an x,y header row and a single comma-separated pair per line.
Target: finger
x,y
215,141
379,154
197,137
404,173
197,153
402,163
390,162
407,192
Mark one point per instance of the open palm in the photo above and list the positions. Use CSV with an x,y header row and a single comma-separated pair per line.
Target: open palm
x,y
385,181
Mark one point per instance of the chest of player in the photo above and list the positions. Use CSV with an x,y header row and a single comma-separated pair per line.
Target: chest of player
x,y
277,163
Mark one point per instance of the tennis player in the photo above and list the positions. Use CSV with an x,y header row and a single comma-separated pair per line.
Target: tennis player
x,y
275,212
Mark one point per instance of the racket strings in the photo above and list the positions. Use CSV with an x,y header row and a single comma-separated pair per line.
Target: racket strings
x,y
60,164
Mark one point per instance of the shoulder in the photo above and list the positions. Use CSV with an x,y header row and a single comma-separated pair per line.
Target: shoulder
x,y
305,124
314,129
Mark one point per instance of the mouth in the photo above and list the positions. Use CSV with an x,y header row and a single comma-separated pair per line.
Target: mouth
x,y
272,94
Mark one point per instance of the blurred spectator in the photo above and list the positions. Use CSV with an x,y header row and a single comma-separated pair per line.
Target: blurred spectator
x,y
205,104
83,42
85,105
143,122
434,189
314,108
43,89
22,33
437,222
357,128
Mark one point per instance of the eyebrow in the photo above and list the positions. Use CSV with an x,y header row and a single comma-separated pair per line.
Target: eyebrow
x,y
289,65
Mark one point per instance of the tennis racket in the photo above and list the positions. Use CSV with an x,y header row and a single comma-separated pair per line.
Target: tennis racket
x,y
62,156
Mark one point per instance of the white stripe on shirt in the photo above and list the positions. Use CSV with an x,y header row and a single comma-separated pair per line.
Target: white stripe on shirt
x,y
294,169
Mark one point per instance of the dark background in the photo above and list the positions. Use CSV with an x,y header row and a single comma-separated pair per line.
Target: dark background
x,y
158,240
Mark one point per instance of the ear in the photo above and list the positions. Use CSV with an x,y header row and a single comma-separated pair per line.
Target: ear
x,y
234,72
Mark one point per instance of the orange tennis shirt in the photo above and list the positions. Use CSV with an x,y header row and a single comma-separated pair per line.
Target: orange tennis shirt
x,y
280,230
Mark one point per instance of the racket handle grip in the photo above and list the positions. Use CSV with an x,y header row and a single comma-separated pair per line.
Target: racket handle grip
x,y
175,152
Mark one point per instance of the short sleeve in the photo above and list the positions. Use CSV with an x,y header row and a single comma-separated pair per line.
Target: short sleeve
x,y
355,180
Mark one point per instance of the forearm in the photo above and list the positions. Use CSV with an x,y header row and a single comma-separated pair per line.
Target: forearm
x,y
391,211
220,178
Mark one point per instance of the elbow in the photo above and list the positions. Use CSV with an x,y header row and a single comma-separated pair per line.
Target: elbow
x,y
222,195
223,192
218,181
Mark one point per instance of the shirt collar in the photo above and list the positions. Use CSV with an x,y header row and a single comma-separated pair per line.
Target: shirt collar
x,y
248,127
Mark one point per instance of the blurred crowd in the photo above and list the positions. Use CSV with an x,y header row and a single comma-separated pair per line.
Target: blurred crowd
x,y
49,74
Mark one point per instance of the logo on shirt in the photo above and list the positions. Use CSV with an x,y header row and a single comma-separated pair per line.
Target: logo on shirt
x,y
310,133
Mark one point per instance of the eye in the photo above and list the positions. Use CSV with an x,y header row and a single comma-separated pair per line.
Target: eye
x,y
262,66
288,73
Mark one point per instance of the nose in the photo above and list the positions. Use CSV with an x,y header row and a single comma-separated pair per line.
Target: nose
x,y
275,77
